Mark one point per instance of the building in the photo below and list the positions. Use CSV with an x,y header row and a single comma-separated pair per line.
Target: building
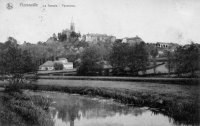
x,y
132,40
94,38
49,65
167,45
162,45
67,65
67,31
72,26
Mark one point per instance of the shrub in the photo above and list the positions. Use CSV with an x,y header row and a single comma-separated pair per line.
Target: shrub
x,y
58,66
31,110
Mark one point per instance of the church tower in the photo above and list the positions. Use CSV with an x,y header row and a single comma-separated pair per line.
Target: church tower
x,y
72,26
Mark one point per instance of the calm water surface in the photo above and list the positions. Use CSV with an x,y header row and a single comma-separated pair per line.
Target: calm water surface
x,y
76,110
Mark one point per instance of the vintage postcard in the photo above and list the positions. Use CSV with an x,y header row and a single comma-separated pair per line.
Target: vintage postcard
x,y
99,62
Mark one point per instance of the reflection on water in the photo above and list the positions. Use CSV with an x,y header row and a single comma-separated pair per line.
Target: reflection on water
x,y
75,110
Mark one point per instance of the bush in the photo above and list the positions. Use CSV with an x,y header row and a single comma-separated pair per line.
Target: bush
x,y
58,66
31,110
13,88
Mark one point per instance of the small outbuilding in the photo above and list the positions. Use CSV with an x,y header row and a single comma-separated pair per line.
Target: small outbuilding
x,y
48,65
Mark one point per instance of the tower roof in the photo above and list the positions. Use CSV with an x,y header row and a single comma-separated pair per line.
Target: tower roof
x,y
72,25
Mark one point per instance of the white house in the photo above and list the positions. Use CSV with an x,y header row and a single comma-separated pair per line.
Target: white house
x,y
132,40
49,65
67,65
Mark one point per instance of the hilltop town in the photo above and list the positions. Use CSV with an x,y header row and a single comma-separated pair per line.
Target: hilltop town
x,y
68,49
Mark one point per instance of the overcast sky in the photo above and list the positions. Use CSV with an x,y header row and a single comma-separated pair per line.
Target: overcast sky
x,y
152,20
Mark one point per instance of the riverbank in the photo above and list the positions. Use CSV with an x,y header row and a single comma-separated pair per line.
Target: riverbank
x,y
182,81
182,105
20,109
164,80
180,102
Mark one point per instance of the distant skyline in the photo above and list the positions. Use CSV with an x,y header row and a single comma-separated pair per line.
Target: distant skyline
x,y
152,20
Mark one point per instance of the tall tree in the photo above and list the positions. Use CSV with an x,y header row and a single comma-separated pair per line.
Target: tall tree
x,y
170,60
89,60
154,53
134,57
138,58
119,55
187,59
15,63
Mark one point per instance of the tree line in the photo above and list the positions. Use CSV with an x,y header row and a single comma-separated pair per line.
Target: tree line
x,y
184,60
132,59
122,58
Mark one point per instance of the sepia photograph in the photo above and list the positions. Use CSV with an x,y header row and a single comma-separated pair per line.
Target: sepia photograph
x,y
99,62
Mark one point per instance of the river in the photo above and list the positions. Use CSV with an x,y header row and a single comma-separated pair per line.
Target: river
x,y
76,110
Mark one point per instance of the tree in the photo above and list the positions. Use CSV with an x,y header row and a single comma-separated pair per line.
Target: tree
x,y
186,59
170,60
38,52
58,66
74,34
62,37
154,53
15,63
54,37
118,55
89,59
138,58
124,55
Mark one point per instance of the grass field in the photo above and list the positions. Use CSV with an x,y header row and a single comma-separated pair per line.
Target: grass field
x,y
182,90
